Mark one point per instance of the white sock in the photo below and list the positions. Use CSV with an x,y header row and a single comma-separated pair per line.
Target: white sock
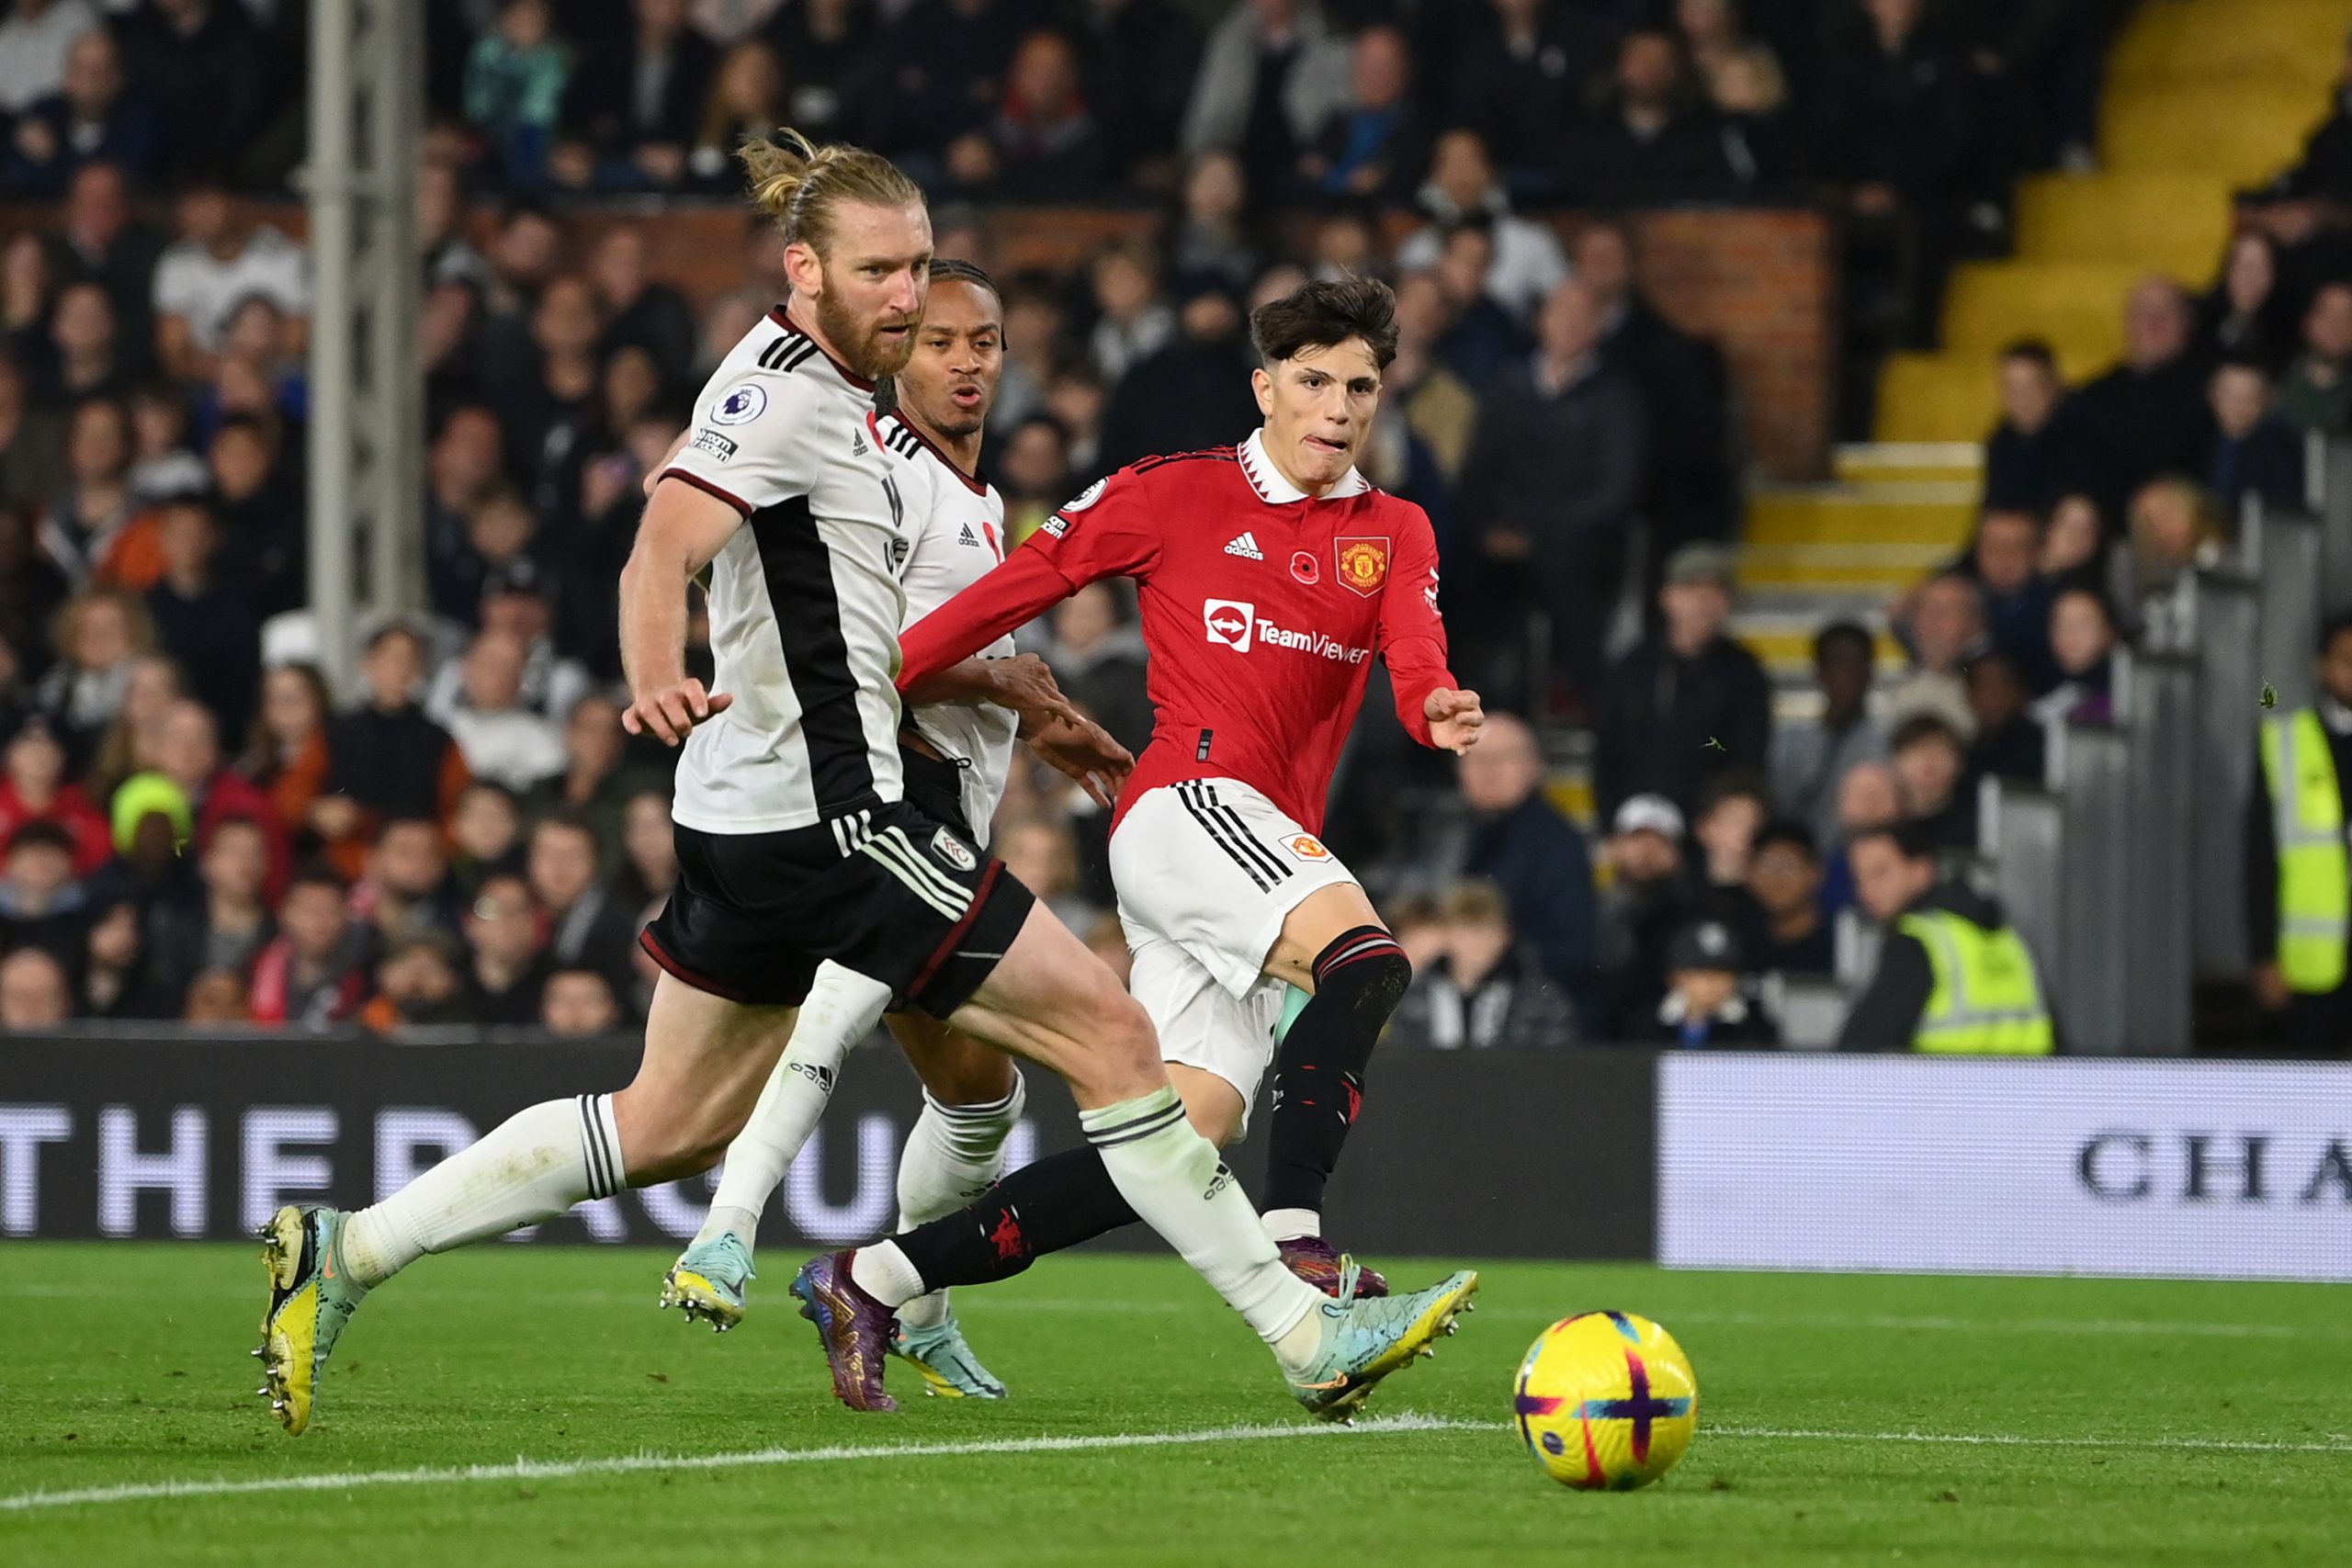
x,y
951,1158
1172,1178
1283,1224
841,1009
883,1272
532,1167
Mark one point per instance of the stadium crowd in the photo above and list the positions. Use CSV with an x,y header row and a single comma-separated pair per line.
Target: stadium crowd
x,y
192,827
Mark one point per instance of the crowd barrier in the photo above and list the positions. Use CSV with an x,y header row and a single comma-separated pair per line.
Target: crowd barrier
x,y
2132,1167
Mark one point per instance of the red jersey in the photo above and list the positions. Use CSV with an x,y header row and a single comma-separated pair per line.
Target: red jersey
x,y
1263,610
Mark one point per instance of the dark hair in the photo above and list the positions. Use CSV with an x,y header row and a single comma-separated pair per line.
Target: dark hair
x,y
318,874
1321,315
1920,725
394,629
2336,625
1836,632
1731,784
2034,349
571,822
1996,659
1789,832
2107,609
40,832
2244,361
411,820
1912,838
2030,517
950,269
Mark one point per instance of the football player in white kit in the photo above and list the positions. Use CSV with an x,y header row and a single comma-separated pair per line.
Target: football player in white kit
x,y
796,845
955,755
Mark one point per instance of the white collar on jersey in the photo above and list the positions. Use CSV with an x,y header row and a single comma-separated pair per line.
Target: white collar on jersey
x,y
1276,490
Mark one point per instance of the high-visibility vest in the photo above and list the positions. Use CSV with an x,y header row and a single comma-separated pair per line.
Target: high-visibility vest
x,y
2314,868
1987,1001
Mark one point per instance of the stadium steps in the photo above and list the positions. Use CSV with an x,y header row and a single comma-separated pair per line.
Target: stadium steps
x,y
2203,96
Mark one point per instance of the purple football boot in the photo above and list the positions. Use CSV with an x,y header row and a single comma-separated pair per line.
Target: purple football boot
x,y
1321,1264
854,1327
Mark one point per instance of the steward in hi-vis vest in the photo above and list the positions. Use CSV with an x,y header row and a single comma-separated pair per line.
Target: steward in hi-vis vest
x,y
2298,864
1954,977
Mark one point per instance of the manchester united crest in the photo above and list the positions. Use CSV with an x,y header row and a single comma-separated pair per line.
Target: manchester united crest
x,y
1362,563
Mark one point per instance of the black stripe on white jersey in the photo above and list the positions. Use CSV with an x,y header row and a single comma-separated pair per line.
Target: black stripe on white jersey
x,y
1230,836
797,567
788,352
901,440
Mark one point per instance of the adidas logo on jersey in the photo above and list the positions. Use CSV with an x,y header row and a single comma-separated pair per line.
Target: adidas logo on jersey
x,y
968,537
1246,546
856,445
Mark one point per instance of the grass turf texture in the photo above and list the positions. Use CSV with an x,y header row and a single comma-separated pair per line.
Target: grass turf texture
x,y
2120,1416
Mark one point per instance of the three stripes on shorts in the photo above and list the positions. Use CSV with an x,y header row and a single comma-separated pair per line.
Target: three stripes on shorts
x,y
1226,829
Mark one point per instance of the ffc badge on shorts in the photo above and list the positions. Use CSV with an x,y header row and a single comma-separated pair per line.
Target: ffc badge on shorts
x,y
1362,564
951,849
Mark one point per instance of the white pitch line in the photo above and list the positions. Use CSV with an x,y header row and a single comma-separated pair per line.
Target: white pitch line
x,y
2020,1440
630,1464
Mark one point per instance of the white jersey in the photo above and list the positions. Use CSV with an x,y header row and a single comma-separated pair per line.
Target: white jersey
x,y
805,602
959,539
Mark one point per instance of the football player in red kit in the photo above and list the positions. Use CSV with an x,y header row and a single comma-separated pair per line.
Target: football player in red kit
x,y
1269,576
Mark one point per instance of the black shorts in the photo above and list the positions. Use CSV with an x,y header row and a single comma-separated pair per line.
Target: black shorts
x,y
935,786
884,890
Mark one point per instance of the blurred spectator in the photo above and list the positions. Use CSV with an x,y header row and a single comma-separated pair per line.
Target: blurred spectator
x,y
34,788
462,468
1192,394
189,754
1375,147
1043,143
501,738
217,997
388,758
35,991
205,66
1868,796
36,39
152,827
1042,853
83,360
96,512
515,89
89,118
1135,66
747,103
1809,759
637,311
1567,413
286,751
1731,811
1518,78
649,866
1691,479
2325,169
1523,844
31,590
42,904
1098,657
1944,629
579,1003
551,686
99,240
2004,558
1435,404
486,832
506,934
2074,545
2297,880
1952,976
2010,742
1478,339
313,975
204,619
2255,451
2176,530
1646,901
1528,266
1785,875
406,889
1212,233
1690,701
133,743
29,467
2041,449
1705,1003
417,984
1652,137
1133,322
2247,316
2083,634
2317,391
587,929
525,255
1273,71
223,258
225,923
633,103
449,254
163,464
595,784
1930,756
1485,989
1033,468
260,511
2148,413
118,975
97,635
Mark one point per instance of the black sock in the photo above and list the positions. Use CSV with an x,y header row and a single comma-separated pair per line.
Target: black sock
x,y
1043,1207
1319,1072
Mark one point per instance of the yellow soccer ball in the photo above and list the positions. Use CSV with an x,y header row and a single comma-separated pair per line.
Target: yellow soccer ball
x,y
1606,1401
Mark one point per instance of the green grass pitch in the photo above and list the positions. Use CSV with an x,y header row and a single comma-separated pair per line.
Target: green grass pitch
x,y
1843,1420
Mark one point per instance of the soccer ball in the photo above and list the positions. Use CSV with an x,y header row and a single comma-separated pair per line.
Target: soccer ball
x,y
1606,1401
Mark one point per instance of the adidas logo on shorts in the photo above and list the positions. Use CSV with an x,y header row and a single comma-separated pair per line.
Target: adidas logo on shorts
x,y
1246,546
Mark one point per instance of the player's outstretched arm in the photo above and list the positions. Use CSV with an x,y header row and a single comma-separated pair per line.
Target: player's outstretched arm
x,y
1088,753
1456,719
1024,684
684,530
1012,595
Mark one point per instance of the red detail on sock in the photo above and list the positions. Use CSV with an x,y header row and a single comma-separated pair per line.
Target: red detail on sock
x,y
1010,1243
1355,1103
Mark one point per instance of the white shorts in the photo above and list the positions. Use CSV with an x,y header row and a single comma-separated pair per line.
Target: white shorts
x,y
1208,870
